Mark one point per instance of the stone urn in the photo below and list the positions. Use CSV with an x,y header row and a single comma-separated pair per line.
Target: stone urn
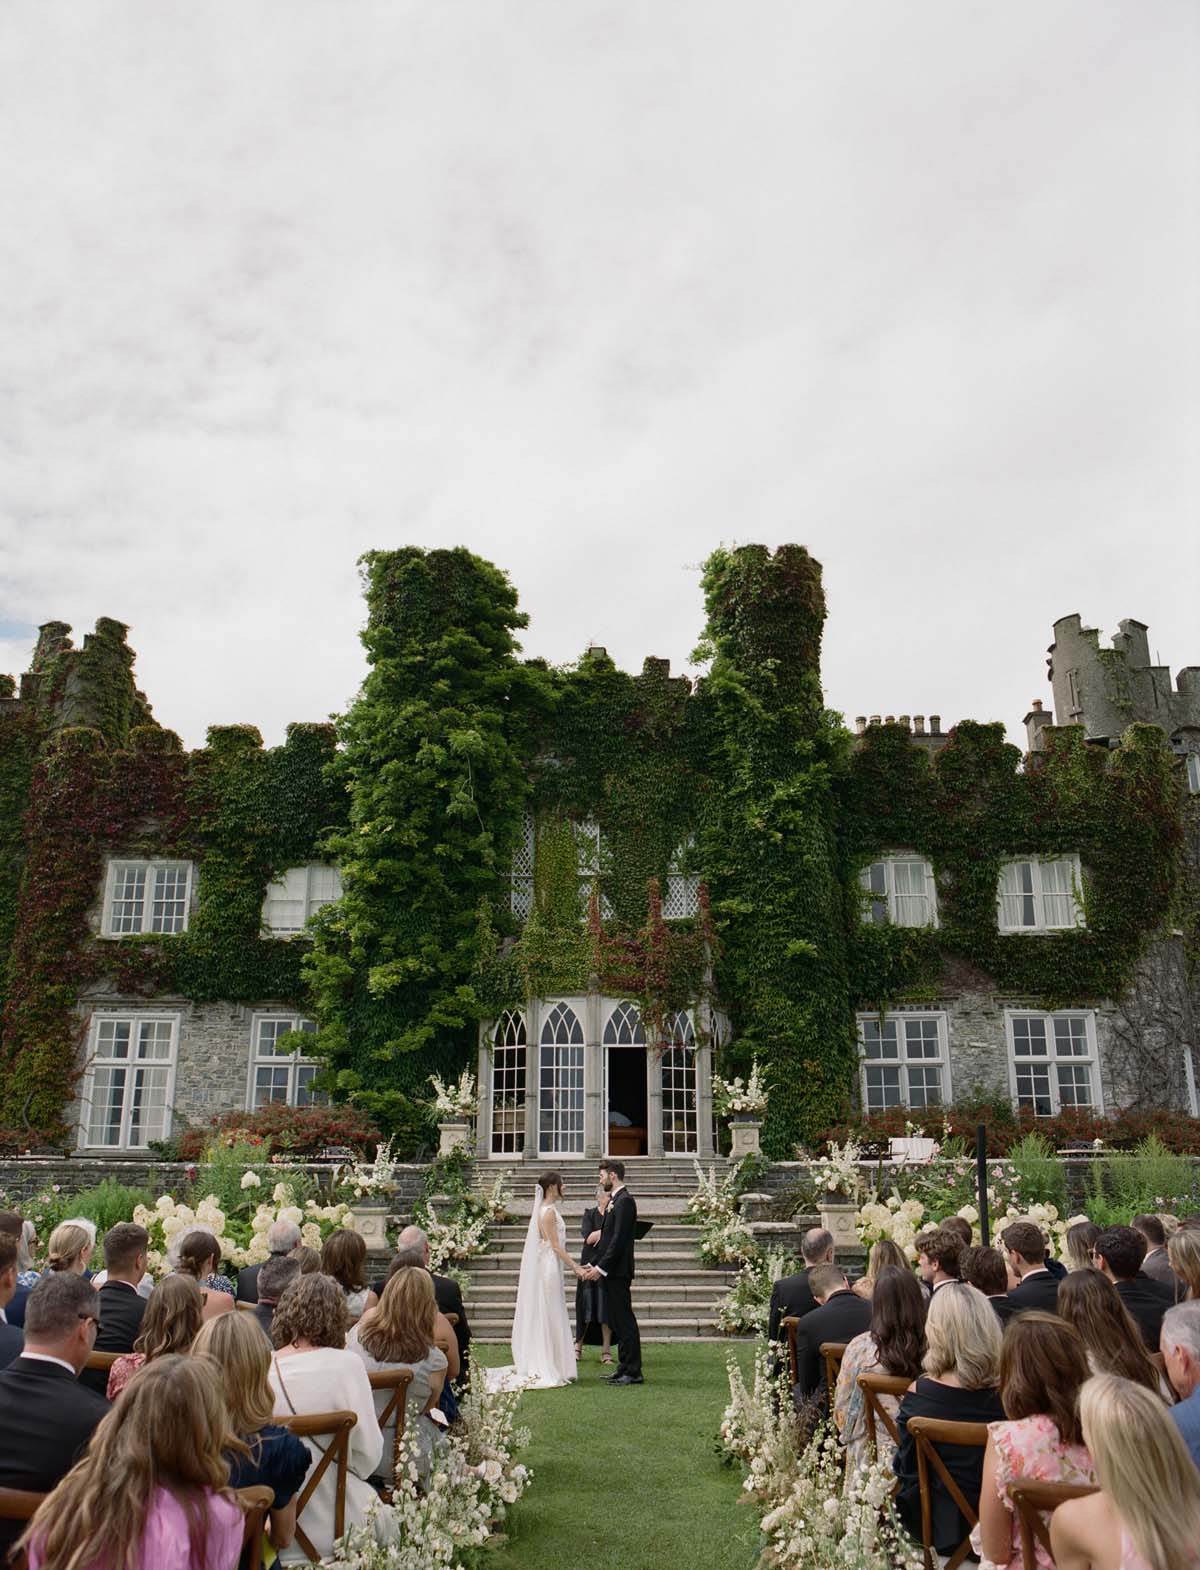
x,y
745,1131
370,1222
453,1136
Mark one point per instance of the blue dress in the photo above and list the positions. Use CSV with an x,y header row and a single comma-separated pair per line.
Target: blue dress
x,y
278,1459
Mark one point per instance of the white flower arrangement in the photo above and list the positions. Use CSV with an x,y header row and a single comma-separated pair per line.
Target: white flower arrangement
x,y
368,1179
740,1095
745,1309
498,1199
838,1172
724,1237
457,1103
453,1243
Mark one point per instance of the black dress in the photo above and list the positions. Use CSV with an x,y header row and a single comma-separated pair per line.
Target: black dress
x,y
591,1298
963,1462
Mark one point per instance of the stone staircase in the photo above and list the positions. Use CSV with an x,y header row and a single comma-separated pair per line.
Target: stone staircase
x,y
674,1296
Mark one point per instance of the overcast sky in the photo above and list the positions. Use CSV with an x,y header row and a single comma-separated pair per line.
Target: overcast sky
x,y
590,289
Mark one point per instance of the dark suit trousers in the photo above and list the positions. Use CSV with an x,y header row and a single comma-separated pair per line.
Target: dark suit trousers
x,y
624,1325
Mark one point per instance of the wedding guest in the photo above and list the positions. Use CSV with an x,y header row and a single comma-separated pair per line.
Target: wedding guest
x,y
70,1248
283,1240
344,1258
170,1324
1080,1241
11,1339
1180,1343
400,1333
793,1295
309,1261
1156,1264
1043,1366
274,1278
840,1315
1147,1513
267,1454
313,1371
962,1368
1118,1253
895,1344
1183,1252
961,1226
49,1416
591,1300
154,1476
198,1256
1025,1251
412,1248
938,1254
1091,1305
122,1307
11,1225
884,1255
985,1268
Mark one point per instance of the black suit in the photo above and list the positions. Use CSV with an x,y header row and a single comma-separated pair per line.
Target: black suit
x,y
614,1259
46,1420
1147,1300
265,1314
247,1284
841,1317
791,1295
122,1308
12,1341
1004,1306
1039,1290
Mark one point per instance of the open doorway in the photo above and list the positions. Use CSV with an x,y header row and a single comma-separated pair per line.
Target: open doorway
x,y
628,1110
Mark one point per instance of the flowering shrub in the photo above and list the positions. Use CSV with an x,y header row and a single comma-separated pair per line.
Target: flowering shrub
x,y
280,1129
366,1179
740,1095
903,1220
455,1241
456,1103
746,1308
241,1235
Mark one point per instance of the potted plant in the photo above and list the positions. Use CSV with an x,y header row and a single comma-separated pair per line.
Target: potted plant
x,y
455,1107
743,1102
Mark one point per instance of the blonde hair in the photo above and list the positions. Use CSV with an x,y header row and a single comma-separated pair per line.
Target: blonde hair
x,y
962,1336
1183,1252
884,1255
168,1430
1144,1469
403,1327
241,1358
67,1244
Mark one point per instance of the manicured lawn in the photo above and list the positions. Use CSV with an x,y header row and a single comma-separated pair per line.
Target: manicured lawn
x,y
628,1479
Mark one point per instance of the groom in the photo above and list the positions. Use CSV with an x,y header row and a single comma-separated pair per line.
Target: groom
x,y
614,1266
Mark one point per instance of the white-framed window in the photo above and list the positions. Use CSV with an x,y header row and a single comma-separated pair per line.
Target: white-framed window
x,y
146,896
275,1073
129,1081
589,853
1039,895
1052,1060
903,1061
902,890
1193,772
522,871
681,897
510,1067
296,895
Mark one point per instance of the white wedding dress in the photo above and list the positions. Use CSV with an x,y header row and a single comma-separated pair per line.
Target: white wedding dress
x,y
542,1344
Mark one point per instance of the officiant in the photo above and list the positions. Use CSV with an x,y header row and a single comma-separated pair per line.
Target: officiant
x,y
591,1297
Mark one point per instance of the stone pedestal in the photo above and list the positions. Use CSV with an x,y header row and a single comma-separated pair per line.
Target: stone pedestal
x,y
837,1217
745,1132
453,1136
370,1222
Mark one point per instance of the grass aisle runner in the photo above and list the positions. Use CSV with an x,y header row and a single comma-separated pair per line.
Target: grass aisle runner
x,y
628,1479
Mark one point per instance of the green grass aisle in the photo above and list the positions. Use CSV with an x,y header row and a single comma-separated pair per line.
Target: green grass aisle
x,y
629,1479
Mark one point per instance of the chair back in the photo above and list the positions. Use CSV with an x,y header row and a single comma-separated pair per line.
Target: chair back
x,y
397,1380
929,1432
874,1386
832,1352
18,1504
789,1323
255,1501
335,1427
1034,1503
103,1361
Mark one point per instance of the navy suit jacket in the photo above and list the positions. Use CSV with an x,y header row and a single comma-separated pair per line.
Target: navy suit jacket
x,y
46,1420
12,1341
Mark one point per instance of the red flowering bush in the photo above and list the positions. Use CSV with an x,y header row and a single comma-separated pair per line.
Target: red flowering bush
x,y
280,1129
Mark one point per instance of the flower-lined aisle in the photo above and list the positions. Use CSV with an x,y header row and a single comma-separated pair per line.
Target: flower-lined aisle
x,y
809,1518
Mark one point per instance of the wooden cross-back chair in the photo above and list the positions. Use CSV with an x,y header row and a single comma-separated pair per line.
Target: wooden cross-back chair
x,y
1035,1503
102,1361
317,1426
833,1353
18,1504
873,1387
929,1432
789,1323
255,1502
397,1380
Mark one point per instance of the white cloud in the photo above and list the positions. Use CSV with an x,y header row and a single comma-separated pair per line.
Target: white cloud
x,y
590,288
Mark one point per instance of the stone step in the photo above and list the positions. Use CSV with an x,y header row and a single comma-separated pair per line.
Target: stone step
x,y
506,1296
661,1256
592,1353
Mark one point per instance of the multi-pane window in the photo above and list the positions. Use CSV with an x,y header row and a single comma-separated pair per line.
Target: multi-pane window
x,y
902,892
509,1061
146,896
1039,895
276,1074
624,1027
296,895
903,1060
1193,772
127,1089
560,1073
681,897
522,871
589,852
1053,1059
679,1099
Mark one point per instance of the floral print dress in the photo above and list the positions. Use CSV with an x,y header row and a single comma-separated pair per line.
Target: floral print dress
x,y
1030,1447
850,1410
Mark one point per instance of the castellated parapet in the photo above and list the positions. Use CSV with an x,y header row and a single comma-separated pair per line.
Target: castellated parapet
x,y
1108,689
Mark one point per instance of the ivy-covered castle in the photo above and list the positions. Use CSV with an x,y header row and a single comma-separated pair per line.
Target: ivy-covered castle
x,y
593,885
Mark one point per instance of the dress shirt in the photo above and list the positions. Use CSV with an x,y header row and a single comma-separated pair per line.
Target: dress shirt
x,y
45,1357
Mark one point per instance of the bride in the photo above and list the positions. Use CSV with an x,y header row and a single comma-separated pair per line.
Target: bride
x,y
542,1343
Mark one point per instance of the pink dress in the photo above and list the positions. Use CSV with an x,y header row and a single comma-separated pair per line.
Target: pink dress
x,y
165,1544
122,1371
1030,1447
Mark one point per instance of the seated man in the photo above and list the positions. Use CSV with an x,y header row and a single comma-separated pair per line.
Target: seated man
x,y
121,1304
791,1296
1181,1353
1118,1253
840,1315
283,1239
1025,1253
46,1416
11,1339
938,1253
275,1275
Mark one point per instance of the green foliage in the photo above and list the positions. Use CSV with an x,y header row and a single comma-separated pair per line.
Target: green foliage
x,y
1146,1180
106,1204
1042,1177
224,1164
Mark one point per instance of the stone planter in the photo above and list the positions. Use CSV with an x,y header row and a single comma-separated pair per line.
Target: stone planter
x,y
837,1217
745,1131
453,1136
370,1222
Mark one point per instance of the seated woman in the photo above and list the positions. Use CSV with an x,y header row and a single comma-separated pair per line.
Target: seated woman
x,y
962,1368
1043,1367
400,1334
884,1255
313,1371
268,1454
169,1326
198,1256
1147,1513
70,1247
895,1344
1183,1251
444,1337
1092,1306
344,1258
1080,1240
154,1482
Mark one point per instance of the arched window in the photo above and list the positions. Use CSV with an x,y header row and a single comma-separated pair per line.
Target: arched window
x,y
562,1027
624,1027
560,1072
509,1059
679,1098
